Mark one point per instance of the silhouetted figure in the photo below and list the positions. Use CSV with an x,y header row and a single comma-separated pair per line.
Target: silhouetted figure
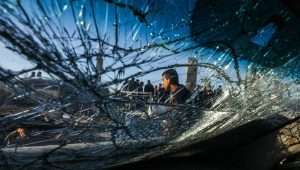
x,y
149,88
32,74
39,74
155,91
141,86
136,84
161,92
131,85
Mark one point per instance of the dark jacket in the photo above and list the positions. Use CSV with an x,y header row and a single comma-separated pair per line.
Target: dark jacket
x,y
178,97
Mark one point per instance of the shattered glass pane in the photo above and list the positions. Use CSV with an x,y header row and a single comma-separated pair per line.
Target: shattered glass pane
x,y
74,78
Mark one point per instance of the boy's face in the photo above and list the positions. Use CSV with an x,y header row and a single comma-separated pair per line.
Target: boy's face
x,y
165,83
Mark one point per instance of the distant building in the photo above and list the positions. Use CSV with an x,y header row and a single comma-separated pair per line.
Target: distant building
x,y
191,78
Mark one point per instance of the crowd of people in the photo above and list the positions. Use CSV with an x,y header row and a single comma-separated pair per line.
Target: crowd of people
x,y
170,91
206,95
135,86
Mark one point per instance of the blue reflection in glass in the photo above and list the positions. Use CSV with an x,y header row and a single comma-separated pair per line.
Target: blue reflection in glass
x,y
264,35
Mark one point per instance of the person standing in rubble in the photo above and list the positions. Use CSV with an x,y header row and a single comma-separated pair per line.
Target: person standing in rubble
x,y
174,94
